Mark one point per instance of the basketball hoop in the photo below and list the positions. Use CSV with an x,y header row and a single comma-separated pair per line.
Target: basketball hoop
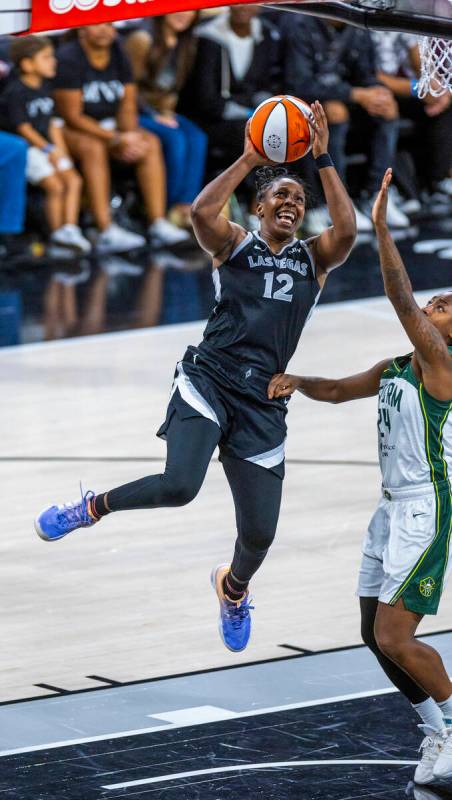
x,y
436,66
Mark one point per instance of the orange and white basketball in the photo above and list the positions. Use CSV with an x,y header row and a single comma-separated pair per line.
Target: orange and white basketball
x,y
280,130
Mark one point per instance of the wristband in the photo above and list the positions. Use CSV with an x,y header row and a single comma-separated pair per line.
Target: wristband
x,y
413,87
324,160
48,148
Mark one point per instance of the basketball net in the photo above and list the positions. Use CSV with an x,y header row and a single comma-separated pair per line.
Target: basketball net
x,y
436,66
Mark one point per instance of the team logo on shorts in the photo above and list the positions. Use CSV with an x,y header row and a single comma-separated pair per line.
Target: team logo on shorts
x,y
427,586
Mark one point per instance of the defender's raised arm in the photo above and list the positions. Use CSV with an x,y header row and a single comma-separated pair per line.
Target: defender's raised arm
x,y
429,336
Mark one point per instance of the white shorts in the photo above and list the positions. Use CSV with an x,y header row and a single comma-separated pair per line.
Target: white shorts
x,y
39,165
406,550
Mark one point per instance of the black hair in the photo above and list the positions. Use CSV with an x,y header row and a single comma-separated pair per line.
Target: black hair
x,y
266,176
27,47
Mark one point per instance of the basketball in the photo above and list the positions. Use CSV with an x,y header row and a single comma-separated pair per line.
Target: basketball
x,y
280,130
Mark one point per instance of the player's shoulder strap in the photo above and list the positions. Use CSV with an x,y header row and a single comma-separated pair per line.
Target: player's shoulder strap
x,y
397,366
248,239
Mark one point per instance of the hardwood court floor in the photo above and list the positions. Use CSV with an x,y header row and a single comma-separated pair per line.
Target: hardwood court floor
x,y
130,599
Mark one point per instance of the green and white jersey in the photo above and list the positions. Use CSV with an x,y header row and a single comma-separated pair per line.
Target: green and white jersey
x,y
414,430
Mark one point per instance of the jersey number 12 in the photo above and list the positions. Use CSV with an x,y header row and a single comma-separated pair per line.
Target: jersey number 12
x,y
286,282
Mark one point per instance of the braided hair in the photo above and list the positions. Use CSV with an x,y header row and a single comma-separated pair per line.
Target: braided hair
x,y
266,176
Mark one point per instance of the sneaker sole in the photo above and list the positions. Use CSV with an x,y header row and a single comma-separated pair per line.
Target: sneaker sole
x,y
426,782
213,582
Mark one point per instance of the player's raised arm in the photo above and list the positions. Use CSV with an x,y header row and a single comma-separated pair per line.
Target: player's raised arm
x,y
429,340
330,390
216,234
333,245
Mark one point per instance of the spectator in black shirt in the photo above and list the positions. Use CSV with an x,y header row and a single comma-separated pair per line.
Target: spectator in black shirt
x,y
335,64
398,62
97,98
28,109
238,65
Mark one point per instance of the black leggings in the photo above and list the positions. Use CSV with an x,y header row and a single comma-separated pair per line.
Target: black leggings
x,y
397,676
255,490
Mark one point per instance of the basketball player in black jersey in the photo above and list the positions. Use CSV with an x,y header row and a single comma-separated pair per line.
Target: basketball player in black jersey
x,y
267,284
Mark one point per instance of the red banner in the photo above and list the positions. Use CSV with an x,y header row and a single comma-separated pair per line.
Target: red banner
x,y
53,14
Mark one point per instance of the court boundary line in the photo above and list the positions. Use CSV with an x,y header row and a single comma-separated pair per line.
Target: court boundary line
x,y
207,671
326,762
255,712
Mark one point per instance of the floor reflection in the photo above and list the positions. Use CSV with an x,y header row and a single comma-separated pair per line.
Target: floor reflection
x,y
42,298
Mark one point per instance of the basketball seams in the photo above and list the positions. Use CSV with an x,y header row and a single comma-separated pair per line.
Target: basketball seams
x,y
261,112
287,130
307,113
271,123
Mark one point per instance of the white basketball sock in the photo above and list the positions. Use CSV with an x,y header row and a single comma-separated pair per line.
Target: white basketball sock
x,y
446,708
431,713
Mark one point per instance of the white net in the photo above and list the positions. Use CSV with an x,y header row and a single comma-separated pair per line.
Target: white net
x,y
436,66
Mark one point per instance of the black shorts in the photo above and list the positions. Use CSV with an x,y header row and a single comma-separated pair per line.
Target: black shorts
x,y
253,427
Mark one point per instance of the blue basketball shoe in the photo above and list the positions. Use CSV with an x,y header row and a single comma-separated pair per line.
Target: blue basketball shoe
x,y
234,623
54,522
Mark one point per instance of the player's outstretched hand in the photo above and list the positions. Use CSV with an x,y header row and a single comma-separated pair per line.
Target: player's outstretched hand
x,y
250,151
381,201
320,125
282,385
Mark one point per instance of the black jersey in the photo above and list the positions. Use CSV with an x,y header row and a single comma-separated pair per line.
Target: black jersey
x,y
263,302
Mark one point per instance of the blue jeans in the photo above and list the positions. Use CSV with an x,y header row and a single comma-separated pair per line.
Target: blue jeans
x,y
379,139
13,155
185,150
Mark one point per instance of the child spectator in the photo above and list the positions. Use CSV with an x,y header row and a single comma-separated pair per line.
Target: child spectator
x,y
96,96
28,109
162,59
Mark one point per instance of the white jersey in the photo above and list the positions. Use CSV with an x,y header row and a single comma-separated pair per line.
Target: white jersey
x,y
414,430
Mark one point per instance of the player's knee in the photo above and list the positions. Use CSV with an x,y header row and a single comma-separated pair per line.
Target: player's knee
x,y
182,491
258,539
389,642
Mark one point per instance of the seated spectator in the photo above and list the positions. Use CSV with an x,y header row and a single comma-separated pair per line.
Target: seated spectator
x,y
161,61
96,97
27,108
335,63
237,66
398,68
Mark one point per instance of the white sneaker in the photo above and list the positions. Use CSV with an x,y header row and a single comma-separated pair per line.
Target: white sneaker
x,y
71,236
430,748
443,766
114,265
118,240
445,186
316,220
163,232
412,206
363,222
394,215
